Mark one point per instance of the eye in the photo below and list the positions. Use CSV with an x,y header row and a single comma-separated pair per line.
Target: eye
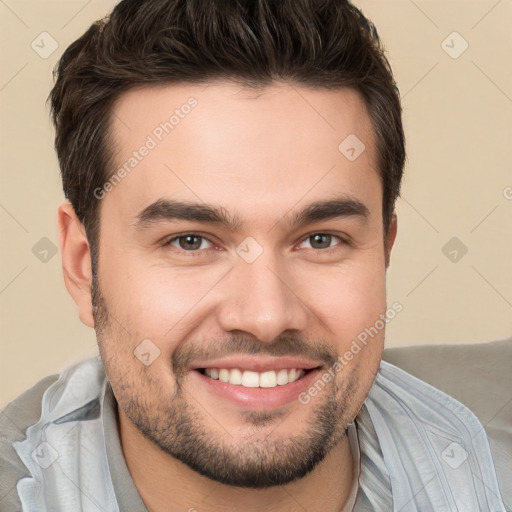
x,y
194,242
322,241
189,242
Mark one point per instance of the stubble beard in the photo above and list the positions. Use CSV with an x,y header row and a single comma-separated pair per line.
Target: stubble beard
x,y
171,421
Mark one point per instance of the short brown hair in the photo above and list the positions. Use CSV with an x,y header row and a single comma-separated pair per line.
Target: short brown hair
x,y
317,43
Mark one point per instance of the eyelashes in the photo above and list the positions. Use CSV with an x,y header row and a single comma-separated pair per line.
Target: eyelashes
x,y
196,241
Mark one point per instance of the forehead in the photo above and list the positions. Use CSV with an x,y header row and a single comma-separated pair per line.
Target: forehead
x,y
241,148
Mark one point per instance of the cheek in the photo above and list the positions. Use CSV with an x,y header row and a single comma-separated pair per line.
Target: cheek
x,y
348,299
157,302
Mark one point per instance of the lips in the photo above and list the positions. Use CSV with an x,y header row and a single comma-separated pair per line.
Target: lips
x,y
255,382
259,398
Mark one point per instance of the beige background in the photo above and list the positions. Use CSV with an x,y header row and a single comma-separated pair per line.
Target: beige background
x,y
458,121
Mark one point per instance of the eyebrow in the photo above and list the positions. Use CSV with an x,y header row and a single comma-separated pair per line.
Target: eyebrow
x,y
170,210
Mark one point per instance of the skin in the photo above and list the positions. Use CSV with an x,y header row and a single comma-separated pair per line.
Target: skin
x,y
261,155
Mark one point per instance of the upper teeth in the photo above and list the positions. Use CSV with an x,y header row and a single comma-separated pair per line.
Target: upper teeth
x,y
250,379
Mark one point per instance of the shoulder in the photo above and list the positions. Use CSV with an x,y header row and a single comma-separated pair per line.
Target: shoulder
x,y
421,402
421,426
17,416
47,402
477,375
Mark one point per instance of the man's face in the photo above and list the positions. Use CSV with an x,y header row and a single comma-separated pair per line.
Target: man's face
x,y
259,296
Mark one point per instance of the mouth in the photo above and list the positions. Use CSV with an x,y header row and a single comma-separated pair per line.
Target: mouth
x,y
264,390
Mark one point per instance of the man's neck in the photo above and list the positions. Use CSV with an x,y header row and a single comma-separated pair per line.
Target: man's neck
x,y
165,484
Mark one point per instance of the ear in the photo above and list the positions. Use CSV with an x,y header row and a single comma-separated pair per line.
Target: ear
x,y
76,261
390,237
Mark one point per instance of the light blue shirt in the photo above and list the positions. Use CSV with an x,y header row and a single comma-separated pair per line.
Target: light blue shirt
x,y
415,449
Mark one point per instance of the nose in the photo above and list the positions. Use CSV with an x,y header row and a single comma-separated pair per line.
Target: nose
x,y
262,299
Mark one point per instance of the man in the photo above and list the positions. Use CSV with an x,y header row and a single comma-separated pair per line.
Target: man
x,y
231,169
